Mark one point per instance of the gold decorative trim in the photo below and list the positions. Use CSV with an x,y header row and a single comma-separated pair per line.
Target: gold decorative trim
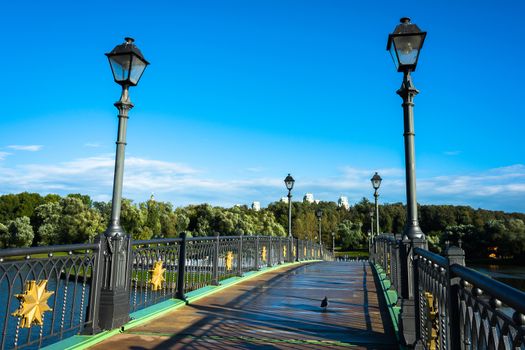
x,y
432,326
229,261
33,303
264,253
157,276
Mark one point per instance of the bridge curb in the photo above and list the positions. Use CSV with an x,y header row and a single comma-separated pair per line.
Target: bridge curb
x,y
390,298
79,342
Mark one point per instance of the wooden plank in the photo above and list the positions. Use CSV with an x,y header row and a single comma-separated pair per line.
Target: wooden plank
x,y
277,310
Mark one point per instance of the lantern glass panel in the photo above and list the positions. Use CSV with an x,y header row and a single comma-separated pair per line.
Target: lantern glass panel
x,y
407,49
289,182
120,65
137,68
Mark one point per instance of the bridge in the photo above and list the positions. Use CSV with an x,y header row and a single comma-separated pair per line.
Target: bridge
x,y
251,291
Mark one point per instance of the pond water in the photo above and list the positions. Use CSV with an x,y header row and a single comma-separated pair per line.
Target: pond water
x,y
509,274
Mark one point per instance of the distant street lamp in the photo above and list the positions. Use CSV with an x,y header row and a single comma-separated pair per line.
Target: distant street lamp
x,y
405,44
372,222
333,243
319,214
376,183
289,182
127,64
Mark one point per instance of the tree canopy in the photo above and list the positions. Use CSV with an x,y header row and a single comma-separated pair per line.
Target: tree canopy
x,y
28,219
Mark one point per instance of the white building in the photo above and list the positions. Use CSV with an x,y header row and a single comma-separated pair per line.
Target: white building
x,y
284,200
256,206
343,202
308,198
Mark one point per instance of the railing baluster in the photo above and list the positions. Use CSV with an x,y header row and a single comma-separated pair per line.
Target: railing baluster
x,y
182,267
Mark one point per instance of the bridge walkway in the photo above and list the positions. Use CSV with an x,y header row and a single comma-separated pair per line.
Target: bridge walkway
x,y
276,310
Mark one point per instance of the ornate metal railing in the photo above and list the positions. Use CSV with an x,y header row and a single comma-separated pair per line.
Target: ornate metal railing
x,y
51,293
154,271
446,305
46,293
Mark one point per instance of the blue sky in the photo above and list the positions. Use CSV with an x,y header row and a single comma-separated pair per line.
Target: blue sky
x,y
239,93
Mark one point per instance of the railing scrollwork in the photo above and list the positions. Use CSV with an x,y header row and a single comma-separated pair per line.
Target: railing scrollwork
x,y
456,307
51,293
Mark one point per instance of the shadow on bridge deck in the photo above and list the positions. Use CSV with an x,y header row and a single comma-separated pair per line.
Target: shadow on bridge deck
x,y
276,310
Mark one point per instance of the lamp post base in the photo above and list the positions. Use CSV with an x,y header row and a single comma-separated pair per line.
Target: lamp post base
x,y
114,308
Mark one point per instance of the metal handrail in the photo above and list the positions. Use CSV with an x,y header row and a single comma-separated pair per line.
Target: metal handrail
x,y
156,241
47,249
435,258
508,295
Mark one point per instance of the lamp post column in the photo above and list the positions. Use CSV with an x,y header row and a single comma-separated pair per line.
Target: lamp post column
x,y
377,211
320,241
289,213
407,93
372,222
123,106
114,305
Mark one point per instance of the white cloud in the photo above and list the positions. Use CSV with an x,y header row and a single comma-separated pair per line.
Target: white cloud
x,y
92,145
30,148
3,155
452,153
499,188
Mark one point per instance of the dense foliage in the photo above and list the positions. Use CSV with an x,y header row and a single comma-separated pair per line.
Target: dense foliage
x,y
28,219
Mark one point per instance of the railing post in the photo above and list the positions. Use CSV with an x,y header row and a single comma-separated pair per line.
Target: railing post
x,y
215,264
455,255
297,250
397,257
181,268
409,315
257,254
94,300
269,258
291,257
279,250
239,258
116,278
385,256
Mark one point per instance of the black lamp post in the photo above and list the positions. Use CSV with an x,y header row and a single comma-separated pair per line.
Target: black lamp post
x,y
405,44
319,214
372,222
376,183
333,244
289,182
127,64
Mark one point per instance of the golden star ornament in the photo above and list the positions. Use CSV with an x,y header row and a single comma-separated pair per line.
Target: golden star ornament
x,y
33,303
157,276
229,261
264,253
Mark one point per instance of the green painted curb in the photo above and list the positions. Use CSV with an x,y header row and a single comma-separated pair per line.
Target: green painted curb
x,y
390,299
79,342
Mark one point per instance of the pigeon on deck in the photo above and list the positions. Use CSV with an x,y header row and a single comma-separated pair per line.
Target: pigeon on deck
x,y
324,303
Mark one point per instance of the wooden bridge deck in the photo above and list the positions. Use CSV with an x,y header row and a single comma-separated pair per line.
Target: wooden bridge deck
x,y
276,310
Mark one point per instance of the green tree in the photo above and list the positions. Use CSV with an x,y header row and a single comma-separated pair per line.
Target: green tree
x,y
4,236
20,232
48,215
350,235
